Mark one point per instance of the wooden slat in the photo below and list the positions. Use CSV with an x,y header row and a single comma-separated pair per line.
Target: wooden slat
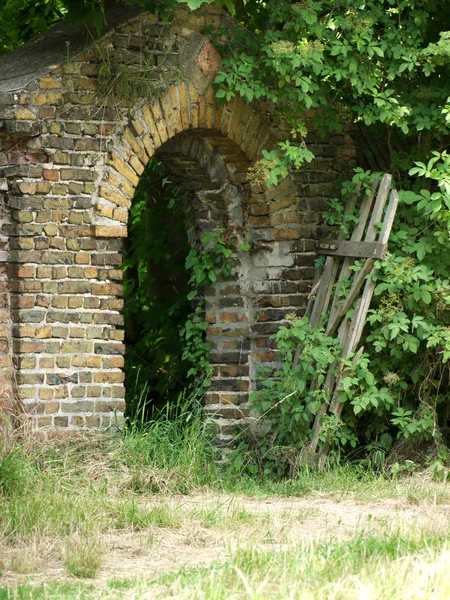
x,y
358,231
360,316
377,213
351,297
329,274
350,333
329,385
339,405
352,249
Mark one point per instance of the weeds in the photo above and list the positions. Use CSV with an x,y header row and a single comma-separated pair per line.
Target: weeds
x,y
83,557
64,504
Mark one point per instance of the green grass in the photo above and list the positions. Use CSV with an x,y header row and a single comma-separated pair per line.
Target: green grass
x,y
338,570
83,557
392,567
64,503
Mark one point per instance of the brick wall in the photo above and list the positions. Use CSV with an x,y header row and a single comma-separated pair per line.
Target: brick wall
x,y
73,144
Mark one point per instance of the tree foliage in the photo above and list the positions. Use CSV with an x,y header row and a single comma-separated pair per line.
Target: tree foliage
x,y
368,61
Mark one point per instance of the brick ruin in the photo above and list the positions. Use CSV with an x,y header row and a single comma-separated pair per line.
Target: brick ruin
x,y
77,127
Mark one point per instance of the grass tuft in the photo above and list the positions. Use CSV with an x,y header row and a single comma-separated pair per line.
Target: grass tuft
x,y
83,557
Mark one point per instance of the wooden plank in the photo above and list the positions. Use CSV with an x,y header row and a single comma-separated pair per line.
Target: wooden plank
x,y
377,213
364,212
360,316
351,339
329,385
351,297
329,274
339,406
358,231
352,249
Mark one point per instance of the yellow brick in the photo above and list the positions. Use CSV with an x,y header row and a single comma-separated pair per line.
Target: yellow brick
x,y
43,187
26,331
79,361
44,332
112,179
193,96
38,99
136,164
24,113
202,111
158,119
168,114
136,146
232,128
148,143
47,363
162,131
77,332
27,188
149,119
104,211
127,189
209,117
218,116
81,258
138,127
94,362
55,98
115,197
125,170
120,215
111,232
46,394
49,83
184,106
51,407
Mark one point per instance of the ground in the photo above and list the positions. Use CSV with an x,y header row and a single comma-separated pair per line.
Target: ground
x,y
129,534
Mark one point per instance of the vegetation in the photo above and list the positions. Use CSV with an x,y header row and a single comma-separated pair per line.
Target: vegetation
x,y
384,65
84,507
109,510
398,389
156,295
320,64
166,268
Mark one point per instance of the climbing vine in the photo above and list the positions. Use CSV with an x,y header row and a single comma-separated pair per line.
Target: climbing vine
x,y
398,388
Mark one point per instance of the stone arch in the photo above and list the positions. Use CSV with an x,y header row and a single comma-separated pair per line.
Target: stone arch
x,y
70,159
232,127
211,145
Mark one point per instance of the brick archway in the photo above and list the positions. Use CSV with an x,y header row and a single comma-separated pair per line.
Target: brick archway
x,y
71,154
236,130
209,147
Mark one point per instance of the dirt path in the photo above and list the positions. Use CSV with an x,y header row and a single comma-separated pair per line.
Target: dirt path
x,y
209,528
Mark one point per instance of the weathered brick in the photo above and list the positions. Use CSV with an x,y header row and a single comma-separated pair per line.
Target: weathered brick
x,y
50,83
70,185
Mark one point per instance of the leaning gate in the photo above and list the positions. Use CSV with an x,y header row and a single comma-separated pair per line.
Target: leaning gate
x,y
79,120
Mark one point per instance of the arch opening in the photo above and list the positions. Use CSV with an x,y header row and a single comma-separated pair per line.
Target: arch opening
x,y
156,288
186,318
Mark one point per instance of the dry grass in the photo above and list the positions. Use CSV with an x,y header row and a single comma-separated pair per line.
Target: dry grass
x,y
102,509
83,556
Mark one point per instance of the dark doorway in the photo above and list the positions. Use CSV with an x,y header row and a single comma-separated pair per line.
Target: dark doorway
x,y
156,288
